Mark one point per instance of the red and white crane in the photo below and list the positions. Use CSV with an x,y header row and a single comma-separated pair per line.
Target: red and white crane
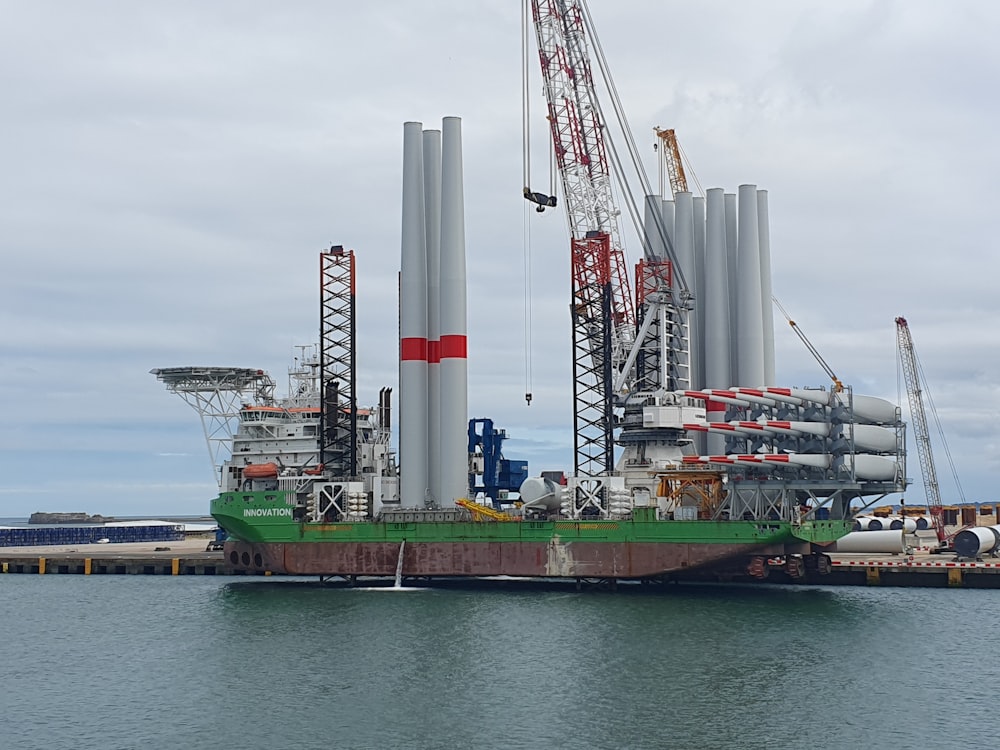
x,y
602,310
608,341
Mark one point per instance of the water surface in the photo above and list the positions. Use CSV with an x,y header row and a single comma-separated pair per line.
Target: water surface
x,y
204,662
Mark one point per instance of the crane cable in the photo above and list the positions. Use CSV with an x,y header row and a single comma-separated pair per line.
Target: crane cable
x,y
838,386
633,151
690,170
541,200
525,100
526,227
926,391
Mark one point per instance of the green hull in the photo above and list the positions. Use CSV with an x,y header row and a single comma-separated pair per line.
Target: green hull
x,y
267,538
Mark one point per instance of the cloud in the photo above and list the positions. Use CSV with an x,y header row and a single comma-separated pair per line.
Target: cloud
x,y
174,169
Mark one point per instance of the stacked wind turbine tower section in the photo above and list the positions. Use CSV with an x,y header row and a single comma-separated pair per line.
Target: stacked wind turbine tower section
x,y
770,450
797,444
721,247
767,309
433,319
749,339
715,304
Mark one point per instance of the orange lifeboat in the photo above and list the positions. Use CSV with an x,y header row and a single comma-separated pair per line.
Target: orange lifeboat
x,y
314,472
261,471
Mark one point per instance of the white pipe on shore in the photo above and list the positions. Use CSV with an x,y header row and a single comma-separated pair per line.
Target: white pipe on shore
x,y
976,542
889,541
870,523
908,525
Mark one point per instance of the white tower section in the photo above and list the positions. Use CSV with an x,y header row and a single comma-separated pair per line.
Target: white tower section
x,y
432,214
413,413
749,306
729,202
716,303
454,325
697,284
764,246
654,229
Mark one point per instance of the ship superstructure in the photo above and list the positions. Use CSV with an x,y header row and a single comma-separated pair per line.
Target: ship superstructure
x,y
277,448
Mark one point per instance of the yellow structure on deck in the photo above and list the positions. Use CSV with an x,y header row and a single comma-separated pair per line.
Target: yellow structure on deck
x,y
483,512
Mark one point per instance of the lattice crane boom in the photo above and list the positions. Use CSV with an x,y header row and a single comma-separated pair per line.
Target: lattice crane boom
x,y
602,307
671,160
922,435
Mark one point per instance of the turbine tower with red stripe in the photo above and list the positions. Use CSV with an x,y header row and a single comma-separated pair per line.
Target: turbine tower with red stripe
x,y
414,482
433,372
451,305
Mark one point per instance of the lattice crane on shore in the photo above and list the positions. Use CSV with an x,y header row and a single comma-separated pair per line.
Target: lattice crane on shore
x,y
922,435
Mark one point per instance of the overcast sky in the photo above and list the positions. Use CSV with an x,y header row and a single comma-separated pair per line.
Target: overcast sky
x,y
171,170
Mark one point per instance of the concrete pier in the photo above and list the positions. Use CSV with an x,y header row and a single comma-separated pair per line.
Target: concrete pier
x,y
919,569
190,557
186,557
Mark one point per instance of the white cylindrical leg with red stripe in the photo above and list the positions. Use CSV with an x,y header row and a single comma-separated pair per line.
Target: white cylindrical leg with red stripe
x,y
413,325
432,220
454,325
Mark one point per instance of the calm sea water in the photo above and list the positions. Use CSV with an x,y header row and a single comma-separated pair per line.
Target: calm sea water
x,y
203,662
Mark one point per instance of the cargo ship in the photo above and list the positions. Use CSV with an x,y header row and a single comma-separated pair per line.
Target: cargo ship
x,y
739,478
675,468
741,511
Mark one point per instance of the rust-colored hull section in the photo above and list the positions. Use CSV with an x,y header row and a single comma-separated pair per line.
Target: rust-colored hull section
x,y
437,559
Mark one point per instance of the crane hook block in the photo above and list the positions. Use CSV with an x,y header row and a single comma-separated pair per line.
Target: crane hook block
x,y
542,200
527,397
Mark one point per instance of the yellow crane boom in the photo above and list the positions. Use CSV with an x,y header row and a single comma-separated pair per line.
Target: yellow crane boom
x,y
482,512
671,159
